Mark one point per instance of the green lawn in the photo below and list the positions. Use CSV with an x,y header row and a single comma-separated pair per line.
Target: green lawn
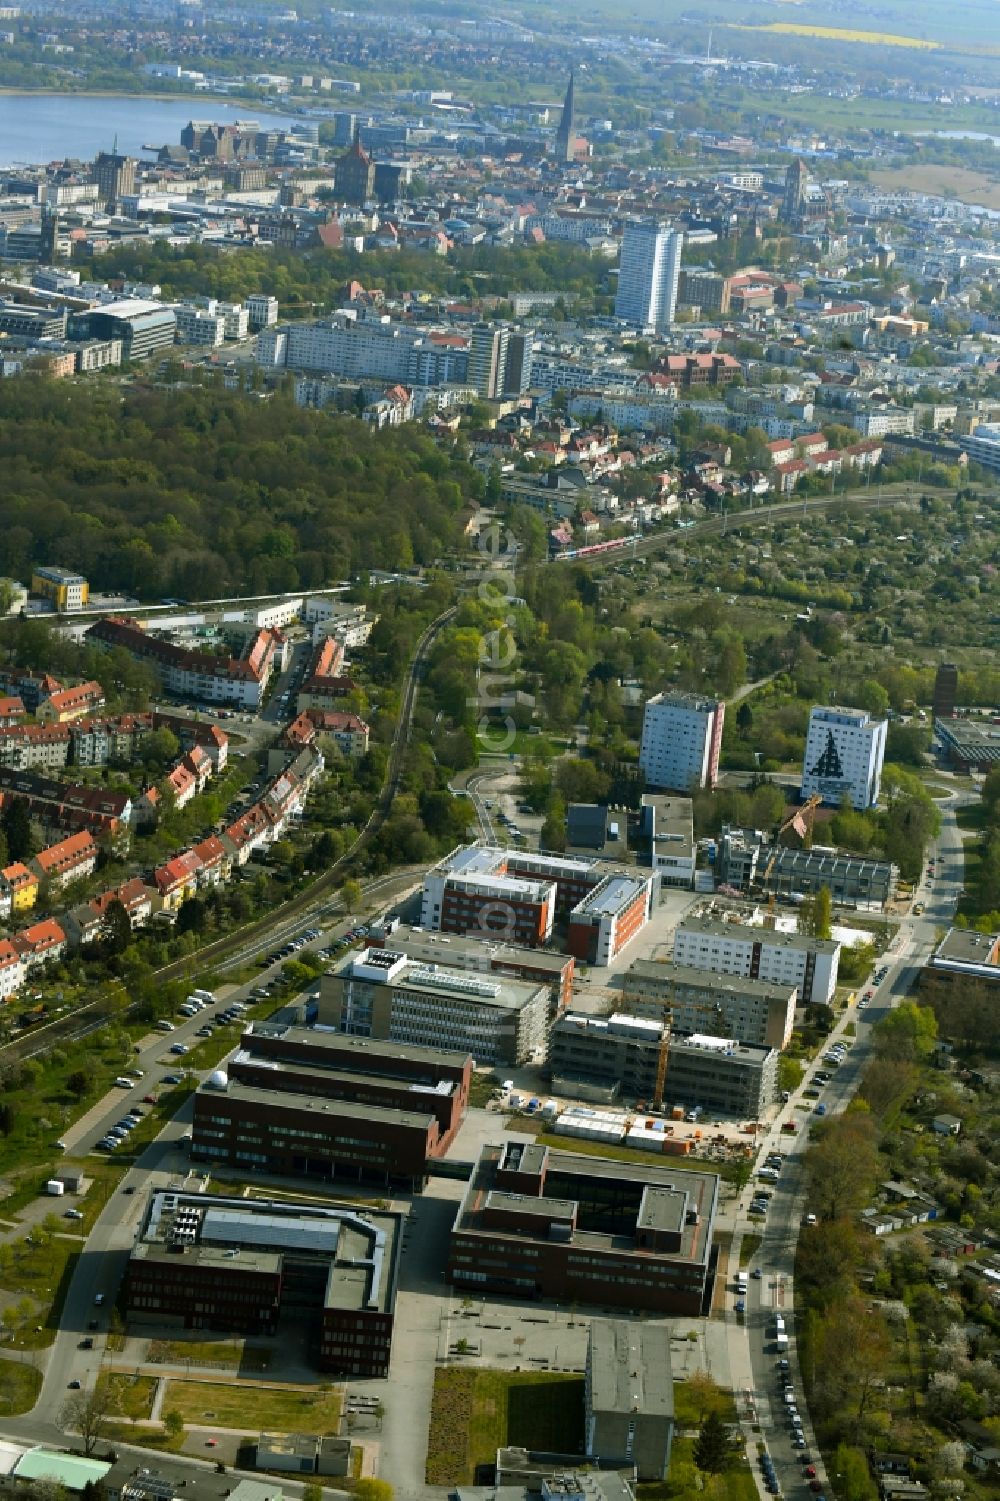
x,y
686,1480
695,1164
690,1406
475,1412
133,1395
207,1402
213,1352
749,1246
20,1384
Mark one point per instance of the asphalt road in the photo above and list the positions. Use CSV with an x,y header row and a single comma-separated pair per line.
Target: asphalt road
x,y
774,1291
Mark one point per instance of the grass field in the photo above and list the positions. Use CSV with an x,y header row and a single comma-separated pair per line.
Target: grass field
x,y
229,1406
133,1395
841,34
475,1412
944,181
685,1480
211,1352
693,1164
19,1387
749,1246
689,1408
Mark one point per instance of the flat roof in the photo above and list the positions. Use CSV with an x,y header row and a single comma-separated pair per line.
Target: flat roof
x,y
472,953
722,1047
290,1099
552,1209
613,895
663,1209
566,1168
767,937
442,981
358,1246
666,972
619,1024
962,946
676,699
367,1050
630,1371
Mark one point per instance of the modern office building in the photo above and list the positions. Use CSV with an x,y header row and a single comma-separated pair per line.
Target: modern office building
x,y
666,827
314,1060
382,994
517,895
696,1000
744,855
310,1103
236,1265
732,1078
142,327
536,966
808,964
67,590
681,741
262,310
648,274
983,445
970,744
538,1223
115,177
610,916
965,957
845,749
601,1059
629,1396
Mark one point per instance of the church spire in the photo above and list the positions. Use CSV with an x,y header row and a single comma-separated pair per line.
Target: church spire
x,y
566,134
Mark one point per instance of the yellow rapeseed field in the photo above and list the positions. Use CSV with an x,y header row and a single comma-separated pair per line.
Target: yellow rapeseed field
x,y
839,34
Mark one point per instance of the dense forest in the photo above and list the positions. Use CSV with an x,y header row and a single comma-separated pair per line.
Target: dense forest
x,y
202,492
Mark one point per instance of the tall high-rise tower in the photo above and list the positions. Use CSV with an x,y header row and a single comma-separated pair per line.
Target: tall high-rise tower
x,y
115,177
648,273
796,179
488,358
565,147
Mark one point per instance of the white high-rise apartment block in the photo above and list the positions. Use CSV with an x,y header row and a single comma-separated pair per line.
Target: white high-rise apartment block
x,y
728,948
681,741
845,749
648,273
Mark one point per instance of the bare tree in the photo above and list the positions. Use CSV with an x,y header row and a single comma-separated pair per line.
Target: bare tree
x,y
87,1414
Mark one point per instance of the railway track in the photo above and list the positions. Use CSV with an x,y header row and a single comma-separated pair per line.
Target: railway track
x,y
264,932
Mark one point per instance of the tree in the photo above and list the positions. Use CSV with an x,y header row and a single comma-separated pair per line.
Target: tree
x,y
173,1422
373,1490
78,1082
816,913
841,1165
116,929
906,1034
350,894
17,827
87,1414
704,1393
711,1450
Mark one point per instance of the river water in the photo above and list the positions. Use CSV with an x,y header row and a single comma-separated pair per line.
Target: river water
x,y
47,127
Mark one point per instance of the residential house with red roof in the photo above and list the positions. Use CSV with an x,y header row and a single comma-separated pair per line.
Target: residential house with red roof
x,y
11,969
69,860
71,703
176,881
43,941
